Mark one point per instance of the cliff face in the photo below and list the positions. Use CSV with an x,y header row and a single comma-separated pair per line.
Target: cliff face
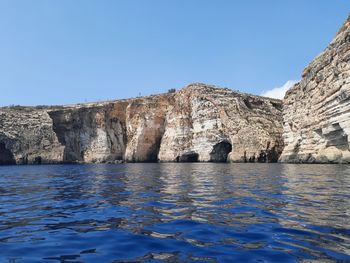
x,y
145,120
197,123
91,134
316,118
27,136
207,123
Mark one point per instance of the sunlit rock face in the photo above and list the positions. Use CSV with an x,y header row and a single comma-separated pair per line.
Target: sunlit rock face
x,y
145,118
213,124
27,137
316,118
197,123
91,133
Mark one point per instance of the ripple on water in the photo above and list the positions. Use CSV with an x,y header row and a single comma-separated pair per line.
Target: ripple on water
x,y
175,213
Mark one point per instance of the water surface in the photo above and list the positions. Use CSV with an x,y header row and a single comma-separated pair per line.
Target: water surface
x,y
198,212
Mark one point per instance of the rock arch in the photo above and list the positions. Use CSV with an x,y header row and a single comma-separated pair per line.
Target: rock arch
x,y
220,152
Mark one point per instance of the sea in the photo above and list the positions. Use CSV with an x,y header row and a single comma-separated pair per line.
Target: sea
x,y
175,212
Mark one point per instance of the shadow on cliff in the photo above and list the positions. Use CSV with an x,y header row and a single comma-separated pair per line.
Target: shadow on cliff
x,y
189,157
220,152
6,156
78,130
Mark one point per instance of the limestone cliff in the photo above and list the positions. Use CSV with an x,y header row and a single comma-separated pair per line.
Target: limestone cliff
x,y
316,118
206,123
197,123
27,136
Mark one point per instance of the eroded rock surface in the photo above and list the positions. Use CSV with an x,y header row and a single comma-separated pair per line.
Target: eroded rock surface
x,y
197,123
316,117
215,124
27,137
91,134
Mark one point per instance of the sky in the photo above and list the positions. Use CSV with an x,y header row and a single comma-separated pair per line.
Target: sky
x,y
63,52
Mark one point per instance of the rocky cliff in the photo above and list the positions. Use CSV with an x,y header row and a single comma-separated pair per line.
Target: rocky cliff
x,y
197,123
316,118
27,136
206,124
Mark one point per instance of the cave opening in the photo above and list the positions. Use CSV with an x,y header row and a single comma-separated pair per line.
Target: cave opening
x,y
6,156
220,152
190,157
37,160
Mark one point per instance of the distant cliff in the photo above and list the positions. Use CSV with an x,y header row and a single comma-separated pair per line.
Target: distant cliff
x,y
316,117
197,123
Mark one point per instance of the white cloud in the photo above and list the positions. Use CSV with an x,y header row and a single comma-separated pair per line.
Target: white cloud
x,y
278,93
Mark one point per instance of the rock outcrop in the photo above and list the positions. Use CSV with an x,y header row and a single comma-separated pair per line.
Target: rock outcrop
x,y
316,118
208,124
197,123
27,137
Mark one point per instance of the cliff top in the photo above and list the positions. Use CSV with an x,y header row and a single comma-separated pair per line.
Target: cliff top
x,y
340,40
204,88
345,26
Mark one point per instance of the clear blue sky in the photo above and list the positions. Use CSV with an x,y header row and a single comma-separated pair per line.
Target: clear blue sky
x,y
59,52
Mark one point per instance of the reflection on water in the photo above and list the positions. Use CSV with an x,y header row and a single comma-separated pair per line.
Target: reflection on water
x,y
175,213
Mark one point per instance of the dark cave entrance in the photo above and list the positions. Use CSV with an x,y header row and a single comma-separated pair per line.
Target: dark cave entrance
x,y
190,157
37,160
6,156
220,152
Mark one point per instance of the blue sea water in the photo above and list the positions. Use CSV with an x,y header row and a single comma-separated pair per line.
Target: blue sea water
x,y
191,212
